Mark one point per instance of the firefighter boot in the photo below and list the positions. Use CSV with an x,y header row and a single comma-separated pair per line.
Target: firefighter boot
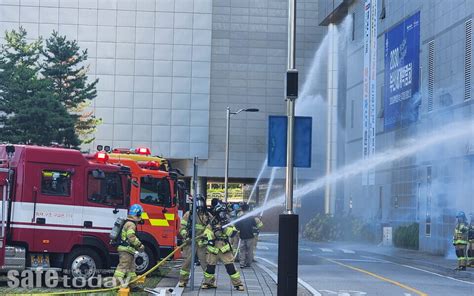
x,y
239,288
208,285
182,284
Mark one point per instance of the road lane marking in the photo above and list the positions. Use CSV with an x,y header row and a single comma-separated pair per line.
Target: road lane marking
x,y
300,281
379,277
347,251
420,269
262,248
306,249
326,250
268,234
360,260
378,259
437,274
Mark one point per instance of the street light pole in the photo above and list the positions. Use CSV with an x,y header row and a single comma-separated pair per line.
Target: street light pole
x,y
288,221
226,174
227,144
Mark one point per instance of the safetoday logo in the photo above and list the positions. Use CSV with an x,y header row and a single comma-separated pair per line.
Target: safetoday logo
x,y
29,279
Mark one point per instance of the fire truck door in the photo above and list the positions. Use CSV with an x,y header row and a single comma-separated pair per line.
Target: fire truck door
x,y
3,215
53,188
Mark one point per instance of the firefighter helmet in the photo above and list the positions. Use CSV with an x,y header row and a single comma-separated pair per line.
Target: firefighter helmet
x,y
461,216
135,210
200,204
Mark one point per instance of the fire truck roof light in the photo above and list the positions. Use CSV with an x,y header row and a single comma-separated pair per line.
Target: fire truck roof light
x,y
101,157
143,151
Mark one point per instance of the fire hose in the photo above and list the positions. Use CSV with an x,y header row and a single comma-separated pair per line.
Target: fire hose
x,y
138,278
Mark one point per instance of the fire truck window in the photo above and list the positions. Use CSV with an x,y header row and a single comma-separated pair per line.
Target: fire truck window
x,y
56,183
108,191
155,191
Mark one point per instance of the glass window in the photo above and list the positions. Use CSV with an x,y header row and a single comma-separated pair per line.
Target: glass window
x,y
56,183
155,191
107,189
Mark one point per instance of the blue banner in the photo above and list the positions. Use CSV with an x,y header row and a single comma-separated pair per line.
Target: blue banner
x,y
402,73
277,126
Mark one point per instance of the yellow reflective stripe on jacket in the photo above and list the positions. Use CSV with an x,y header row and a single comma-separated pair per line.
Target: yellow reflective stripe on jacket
x,y
229,230
225,248
209,234
212,249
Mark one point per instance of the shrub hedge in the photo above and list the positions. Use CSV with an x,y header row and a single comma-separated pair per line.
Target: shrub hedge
x,y
328,228
407,236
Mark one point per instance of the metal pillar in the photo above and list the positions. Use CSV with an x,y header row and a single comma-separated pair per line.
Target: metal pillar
x,y
332,120
288,221
193,231
226,174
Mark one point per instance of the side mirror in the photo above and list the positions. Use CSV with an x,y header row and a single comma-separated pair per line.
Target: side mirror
x,y
135,183
98,174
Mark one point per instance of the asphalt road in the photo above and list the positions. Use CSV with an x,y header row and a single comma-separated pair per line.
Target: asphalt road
x,y
333,270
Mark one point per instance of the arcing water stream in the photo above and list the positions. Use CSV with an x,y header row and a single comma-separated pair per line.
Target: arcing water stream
x,y
264,166
311,101
454,131
269,189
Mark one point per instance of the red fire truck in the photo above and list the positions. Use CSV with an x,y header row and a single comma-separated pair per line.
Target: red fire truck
x,y
57,209
156,190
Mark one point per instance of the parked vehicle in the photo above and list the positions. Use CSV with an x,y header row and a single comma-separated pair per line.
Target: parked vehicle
x,y
57,208
156,190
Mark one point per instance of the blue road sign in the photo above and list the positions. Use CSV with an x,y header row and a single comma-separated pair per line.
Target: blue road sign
x,y
277,141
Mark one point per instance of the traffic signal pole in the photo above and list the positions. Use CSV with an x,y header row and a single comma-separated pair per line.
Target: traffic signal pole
x,y
288,221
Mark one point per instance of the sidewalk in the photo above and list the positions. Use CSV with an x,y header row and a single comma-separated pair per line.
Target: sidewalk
x,y
258,280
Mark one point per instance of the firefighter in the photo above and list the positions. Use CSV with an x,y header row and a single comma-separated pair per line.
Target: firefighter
x,y
129,245
219,248
460,240
214,202
236,212
247,231
186,231
470,251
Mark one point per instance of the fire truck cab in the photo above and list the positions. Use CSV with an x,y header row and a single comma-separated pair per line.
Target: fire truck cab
x,y
57,209
156,190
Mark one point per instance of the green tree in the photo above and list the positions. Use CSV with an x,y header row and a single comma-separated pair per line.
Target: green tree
x,y
64,65
30,112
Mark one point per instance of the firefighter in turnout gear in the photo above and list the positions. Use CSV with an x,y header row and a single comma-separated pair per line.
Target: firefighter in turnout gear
x,y
470,249
129,245
219,248
460,240
186,232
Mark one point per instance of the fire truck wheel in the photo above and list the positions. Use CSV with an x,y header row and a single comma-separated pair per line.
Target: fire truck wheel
x,y
83,263
145,260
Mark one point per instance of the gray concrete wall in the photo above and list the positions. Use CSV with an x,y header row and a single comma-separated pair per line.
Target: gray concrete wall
x,y
248,65
169,68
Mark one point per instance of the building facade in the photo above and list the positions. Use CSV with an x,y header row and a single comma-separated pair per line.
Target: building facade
x,y
430,185
168,69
